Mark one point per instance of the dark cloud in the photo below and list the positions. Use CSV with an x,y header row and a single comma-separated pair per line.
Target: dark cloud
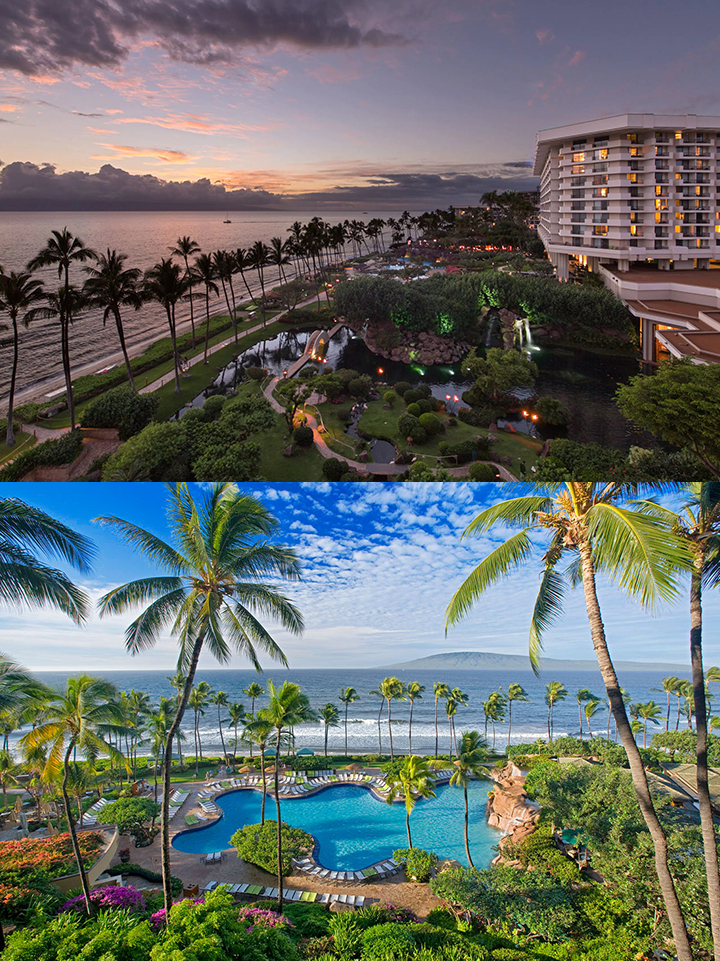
x,y
45,36
27,186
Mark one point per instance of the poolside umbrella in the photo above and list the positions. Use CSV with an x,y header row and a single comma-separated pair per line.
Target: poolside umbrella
x,y
18,805
270,752
306,752
354,767
245,768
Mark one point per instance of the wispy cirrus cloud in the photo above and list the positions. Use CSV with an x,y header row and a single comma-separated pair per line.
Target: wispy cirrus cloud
x,y
197,123
156,153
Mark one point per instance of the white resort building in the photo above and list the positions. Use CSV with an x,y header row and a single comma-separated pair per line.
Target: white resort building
x,y
636,198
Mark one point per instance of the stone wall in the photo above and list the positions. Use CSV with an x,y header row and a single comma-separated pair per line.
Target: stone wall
x,y
509,808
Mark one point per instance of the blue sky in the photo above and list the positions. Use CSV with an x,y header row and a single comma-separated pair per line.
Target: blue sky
x,y
380,563
352,101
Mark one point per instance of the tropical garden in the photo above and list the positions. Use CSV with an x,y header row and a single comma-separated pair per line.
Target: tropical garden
x,y
638,874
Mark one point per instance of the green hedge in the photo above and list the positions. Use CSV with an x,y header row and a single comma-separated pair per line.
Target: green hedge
x,y
52,453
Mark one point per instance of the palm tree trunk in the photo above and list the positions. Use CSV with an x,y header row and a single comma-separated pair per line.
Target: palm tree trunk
x,y
165,808
346,710
264,783
706,815
509,719
637,769
436,728
467,821
581,723
392,755
10,435
123,347
222,739
207,324
407,825
71,828
412,704
326,737
173,338
189,276
548,721
279,824
65,349
667,717
382,705
451,737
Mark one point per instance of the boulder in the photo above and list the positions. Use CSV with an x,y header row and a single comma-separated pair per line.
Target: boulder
x,y
289,450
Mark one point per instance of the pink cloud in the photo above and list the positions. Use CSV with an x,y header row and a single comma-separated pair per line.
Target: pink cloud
x,y
576,58
544,36
196,123
167,156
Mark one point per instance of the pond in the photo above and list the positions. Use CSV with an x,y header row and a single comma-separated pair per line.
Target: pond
x,y
585,381
355,829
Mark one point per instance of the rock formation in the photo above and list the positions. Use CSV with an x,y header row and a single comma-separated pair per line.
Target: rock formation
x,y
509,807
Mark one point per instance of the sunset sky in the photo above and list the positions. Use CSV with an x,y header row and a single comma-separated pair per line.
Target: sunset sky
x,y
361,102
380,564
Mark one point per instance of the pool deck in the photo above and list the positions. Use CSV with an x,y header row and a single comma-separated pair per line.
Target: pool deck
x,y
233,870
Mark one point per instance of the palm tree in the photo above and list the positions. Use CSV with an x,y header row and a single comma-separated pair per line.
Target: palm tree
x,y
220,699
439,690
209,595
379,694
669,686
65,304
157,728
204,271
494,709
185,248
330,717
581,696
347,696
25,580
166,284
223,270
590,710
649,712
278,255
178,681
392,689
287,708
455,699
414,693
253,691
71,720
236,712
9,774
257,731
413,781
243,262
62,250
516,692
473,751
20,296
698,524
111,286
258,259
635,550
451,706
196,702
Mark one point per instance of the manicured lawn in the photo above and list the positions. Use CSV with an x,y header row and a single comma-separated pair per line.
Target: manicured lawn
x,y
23,441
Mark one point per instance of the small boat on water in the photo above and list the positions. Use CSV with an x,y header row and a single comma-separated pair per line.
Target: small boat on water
x,y
227,219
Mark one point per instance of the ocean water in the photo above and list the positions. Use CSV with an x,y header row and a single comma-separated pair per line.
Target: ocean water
x,y
145,237
529,719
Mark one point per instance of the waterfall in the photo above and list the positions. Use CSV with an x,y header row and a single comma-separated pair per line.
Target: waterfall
x,y
492,324
528,334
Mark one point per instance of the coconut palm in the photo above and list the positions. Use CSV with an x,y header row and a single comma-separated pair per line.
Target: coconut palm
x,y
213,588
330,716
26,534
554,691
236,712
413,781
178,681
287,707
71,721
20,297
196,703
451,706
258,260
649,712
166,284
456,698
112,286
156,730
203,271
439,690
347,696
253,691
392,689
9,774
258,731
65,305
378,693
223,263
414,693
669,686
581,696
590,710
220,699
185,247
469,763
278,255
494,709
516,692
588,524
63,250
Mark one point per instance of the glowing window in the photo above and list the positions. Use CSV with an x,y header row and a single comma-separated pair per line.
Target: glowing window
x,y
578,157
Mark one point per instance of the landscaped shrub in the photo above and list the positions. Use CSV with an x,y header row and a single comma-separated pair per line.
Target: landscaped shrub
x,y
129,867
303,436
401,387
425,406
3,429
310,920
30,859
213,406
390,397
333,469
481,472
258,844
412,396
431,424
540,852
409,426
418,863
255,373
52,453
108,899
387,941
414,409
123,409
157,453
360,387
131,815
347,934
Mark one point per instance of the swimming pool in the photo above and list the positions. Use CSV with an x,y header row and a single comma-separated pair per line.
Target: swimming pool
x,y
354,829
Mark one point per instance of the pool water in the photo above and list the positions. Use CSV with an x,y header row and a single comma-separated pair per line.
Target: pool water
x,y
355,829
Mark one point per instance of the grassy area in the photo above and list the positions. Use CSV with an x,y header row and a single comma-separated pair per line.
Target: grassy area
x,y
23,441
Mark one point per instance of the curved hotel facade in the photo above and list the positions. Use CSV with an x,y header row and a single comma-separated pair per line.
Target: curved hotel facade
x,y
636,198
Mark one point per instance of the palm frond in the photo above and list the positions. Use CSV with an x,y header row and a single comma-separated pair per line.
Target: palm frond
x,y
518,512
21,523
548,608
498,564
39,586
270,602
246,634
143,633
137,592
148,544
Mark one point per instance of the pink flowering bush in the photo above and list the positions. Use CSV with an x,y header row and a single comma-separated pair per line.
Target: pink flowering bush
x,y
157,920
108,899
261,917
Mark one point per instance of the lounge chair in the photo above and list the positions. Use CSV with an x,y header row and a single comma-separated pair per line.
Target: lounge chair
x,y
308,896
271,892
210,886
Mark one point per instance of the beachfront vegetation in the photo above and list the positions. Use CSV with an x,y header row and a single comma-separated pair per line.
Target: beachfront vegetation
x,y
258,844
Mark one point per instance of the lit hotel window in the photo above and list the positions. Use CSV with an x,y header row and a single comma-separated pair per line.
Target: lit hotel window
x,y
578,158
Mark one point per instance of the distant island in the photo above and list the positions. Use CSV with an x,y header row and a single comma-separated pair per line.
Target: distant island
x,y
487,661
